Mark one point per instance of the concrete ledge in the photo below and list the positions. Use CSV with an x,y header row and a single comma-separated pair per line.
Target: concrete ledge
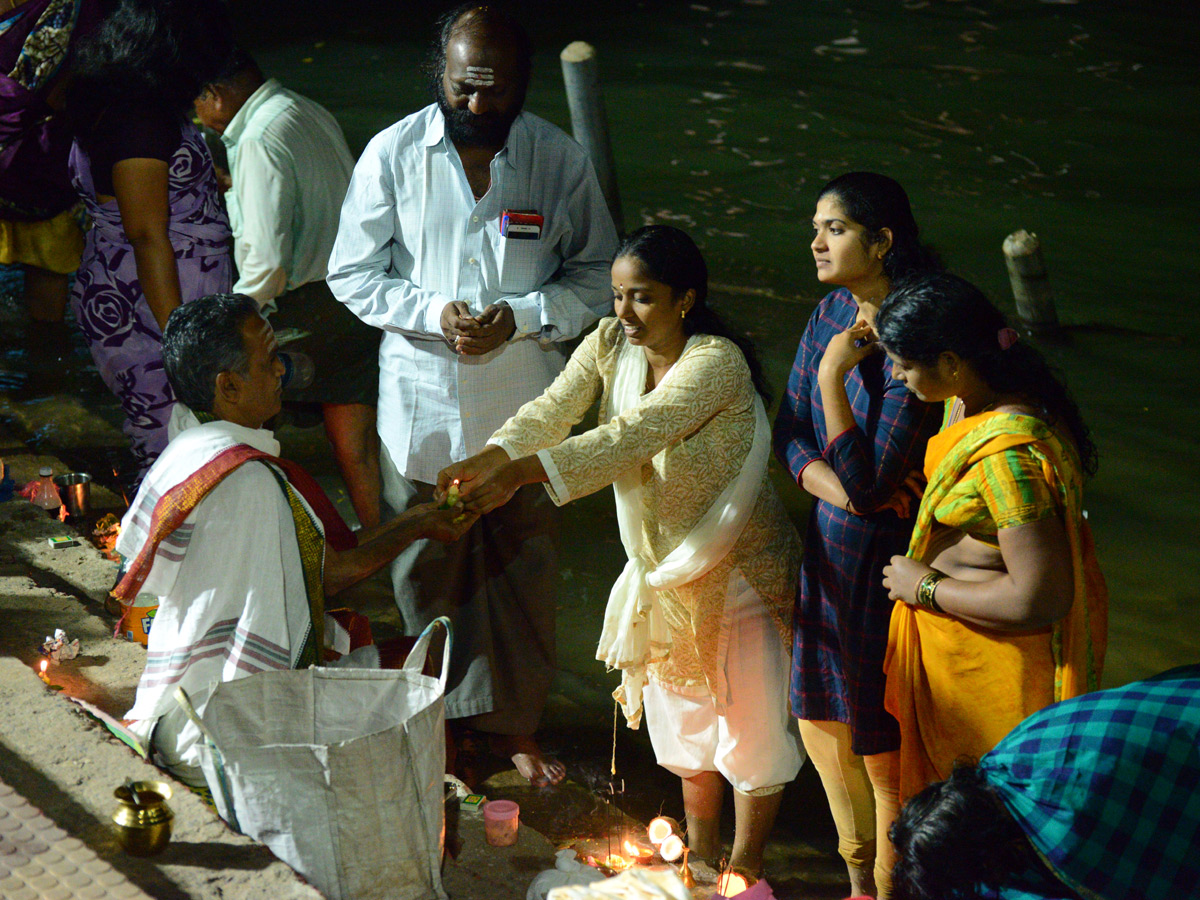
x,y
66,764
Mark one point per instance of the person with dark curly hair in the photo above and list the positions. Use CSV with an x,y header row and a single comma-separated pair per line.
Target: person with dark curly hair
x,y
159,235
1096,797
1003,609
850,435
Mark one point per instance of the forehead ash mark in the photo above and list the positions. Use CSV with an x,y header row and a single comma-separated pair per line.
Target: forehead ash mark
x,y
483,76
266,333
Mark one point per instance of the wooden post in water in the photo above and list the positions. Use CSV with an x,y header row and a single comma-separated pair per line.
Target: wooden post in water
x,y
1030,282
589,124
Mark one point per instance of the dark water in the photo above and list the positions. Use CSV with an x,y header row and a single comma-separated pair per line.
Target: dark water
x,y
1073,120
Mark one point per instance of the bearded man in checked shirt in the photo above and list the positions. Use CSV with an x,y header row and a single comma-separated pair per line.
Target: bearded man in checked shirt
x,y
475,313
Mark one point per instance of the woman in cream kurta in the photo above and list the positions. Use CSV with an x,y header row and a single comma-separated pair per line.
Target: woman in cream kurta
x,y
716,693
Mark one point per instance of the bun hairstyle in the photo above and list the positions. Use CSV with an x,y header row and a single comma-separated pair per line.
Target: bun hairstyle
x,y
925,317
877,202
670,256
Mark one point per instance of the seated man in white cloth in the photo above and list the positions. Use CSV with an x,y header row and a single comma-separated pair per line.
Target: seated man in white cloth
x,y
240,547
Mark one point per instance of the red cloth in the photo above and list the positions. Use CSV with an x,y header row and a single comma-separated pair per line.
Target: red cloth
x,y
177,504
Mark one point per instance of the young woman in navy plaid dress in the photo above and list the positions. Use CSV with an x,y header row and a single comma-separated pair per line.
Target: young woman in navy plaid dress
x,y
851,435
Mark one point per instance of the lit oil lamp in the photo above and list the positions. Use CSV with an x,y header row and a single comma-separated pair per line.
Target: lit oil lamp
x,y
636,854
42,670
731,883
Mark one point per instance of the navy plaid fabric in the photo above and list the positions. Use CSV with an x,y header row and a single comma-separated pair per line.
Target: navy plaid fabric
x,y
842,610
1107,787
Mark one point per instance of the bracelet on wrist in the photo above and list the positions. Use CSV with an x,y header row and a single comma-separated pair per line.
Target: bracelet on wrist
x,y
926,588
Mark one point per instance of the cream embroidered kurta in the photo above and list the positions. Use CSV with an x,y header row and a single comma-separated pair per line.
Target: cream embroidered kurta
x,y
690,437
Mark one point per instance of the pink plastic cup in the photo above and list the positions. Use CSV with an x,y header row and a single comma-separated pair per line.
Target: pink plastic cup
x,y
500,820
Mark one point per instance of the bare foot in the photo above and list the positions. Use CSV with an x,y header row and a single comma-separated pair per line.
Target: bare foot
x,y
528,758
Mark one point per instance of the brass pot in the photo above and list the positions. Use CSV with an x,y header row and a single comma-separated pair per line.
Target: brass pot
x,y
143,819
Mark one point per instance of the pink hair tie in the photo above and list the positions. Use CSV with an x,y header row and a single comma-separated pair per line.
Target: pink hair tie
x,y
1007,337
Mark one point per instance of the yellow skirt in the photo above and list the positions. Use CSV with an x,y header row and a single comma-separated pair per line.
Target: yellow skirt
x,y
54,245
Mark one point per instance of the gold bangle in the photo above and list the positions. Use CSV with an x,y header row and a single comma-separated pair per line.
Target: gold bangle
x,y
926,588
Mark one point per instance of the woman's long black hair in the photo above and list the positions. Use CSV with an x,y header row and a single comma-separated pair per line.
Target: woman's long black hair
x,y
671,257
956,841
923,318
160,53
876,202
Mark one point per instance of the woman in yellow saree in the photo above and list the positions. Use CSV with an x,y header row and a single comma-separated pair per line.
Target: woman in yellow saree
x,y
1002,609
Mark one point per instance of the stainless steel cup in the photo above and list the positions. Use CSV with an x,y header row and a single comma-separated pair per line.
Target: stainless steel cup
x,y
76,491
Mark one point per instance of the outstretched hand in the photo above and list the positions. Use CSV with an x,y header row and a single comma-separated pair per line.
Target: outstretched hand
x,y
443,524
461,474
495,488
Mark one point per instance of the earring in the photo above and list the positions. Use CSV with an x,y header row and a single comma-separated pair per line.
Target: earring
x,y
683,314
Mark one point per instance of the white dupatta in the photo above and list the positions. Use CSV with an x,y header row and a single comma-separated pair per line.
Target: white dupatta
x,y
635,633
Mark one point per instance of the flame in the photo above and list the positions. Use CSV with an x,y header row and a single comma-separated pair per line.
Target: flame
x,y
62,512
44,664
105,535
634,852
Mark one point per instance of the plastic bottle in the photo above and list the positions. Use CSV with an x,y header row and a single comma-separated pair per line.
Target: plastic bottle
x,y
45,494
298,370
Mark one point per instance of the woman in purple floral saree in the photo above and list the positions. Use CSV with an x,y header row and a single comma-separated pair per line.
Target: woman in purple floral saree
x,y
160,236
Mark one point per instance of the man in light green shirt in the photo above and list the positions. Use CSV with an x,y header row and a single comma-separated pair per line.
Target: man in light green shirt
x,y
290,166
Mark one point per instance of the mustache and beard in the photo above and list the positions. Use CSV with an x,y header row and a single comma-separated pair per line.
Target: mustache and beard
x,y
466,129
